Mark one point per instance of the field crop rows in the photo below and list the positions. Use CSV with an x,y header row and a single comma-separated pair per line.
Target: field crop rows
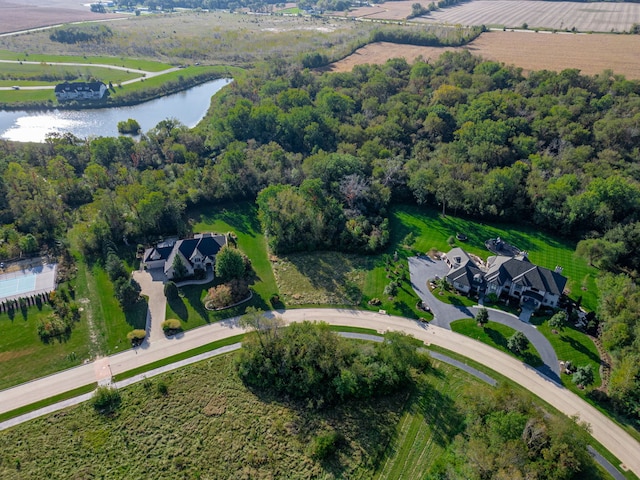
x,y
585,17
591,54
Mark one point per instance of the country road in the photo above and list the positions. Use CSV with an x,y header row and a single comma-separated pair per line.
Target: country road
x,y
610,435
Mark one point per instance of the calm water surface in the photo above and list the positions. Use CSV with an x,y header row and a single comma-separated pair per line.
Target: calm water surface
x,y
188,107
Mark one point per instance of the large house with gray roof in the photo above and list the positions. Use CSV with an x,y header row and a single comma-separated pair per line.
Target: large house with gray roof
x,y
195,253
514,277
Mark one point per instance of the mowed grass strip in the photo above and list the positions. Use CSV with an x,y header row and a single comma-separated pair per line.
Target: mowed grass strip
x,y
110,323
433,230
32,407
133,63
16,73
496,335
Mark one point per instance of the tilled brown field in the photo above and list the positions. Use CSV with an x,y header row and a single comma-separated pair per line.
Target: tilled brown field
x,y
585,17
15,17
591,54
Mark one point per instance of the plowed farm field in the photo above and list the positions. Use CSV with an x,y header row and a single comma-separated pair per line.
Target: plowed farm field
x,y
21,15
591,54
585,17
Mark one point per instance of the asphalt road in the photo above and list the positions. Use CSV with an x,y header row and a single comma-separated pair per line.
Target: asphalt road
x,y
422,269
143,73
610,435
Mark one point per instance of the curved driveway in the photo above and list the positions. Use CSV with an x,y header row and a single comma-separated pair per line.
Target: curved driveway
x,y
423,269
604,430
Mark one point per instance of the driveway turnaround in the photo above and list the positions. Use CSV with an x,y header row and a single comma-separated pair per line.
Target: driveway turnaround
x,y
604,430
422,269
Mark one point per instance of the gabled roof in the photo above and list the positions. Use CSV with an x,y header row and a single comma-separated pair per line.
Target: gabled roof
x,y
468,275
521,271
78,87
458,257
156,253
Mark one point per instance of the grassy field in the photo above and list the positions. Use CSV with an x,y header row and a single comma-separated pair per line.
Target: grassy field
x,y
432,230
110,324
28,74
241,219
496,335
209,425
137,64
214,38
24,356
27,96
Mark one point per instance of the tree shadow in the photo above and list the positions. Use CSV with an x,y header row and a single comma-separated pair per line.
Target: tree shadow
x,y
496,337
440,412
179,308
580,348
136,315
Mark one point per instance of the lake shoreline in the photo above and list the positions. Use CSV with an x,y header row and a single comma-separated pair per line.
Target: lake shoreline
x,y
110,102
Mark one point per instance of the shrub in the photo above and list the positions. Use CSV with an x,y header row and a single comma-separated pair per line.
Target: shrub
x,y
325,444
52,326
171,290
172,325
106,400
136,337
220,296
162,388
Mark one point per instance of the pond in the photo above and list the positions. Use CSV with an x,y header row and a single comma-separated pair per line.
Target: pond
x,y
188,107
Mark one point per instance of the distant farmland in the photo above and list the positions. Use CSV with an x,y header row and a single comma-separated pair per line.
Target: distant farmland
x,y
585,17
591,54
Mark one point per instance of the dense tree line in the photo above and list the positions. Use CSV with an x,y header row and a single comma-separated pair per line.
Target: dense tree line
x,y
307,361
472,137
331,151
81,33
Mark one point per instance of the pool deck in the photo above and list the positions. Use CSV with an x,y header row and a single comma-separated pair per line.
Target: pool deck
x,y
45,281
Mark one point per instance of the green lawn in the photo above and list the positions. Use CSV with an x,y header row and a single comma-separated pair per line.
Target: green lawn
x,y
431,229
575,346
27,96
24,356
110,323
241,219
25,72
138,64
496,335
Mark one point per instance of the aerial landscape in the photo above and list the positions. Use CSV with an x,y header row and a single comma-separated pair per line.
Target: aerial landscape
x,y
328,239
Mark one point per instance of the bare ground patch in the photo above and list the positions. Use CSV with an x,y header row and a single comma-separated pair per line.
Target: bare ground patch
x,y
591,54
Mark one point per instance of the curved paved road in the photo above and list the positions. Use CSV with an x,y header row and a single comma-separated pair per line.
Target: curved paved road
x,y
144,74
610,435
423,269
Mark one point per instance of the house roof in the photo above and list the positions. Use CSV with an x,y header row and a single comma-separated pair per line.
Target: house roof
x,y
205,245
458,257
79,87
156,253
521,271
468,275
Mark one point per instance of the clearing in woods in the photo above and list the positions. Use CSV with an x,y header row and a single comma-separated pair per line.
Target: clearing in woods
x,y
591,54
